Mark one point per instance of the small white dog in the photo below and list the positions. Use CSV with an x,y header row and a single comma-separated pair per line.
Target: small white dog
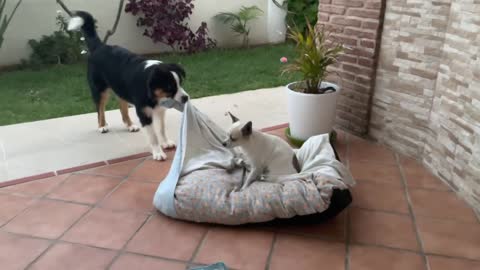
x,y
265,154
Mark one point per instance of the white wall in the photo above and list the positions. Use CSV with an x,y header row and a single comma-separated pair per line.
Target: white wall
x,y
35,18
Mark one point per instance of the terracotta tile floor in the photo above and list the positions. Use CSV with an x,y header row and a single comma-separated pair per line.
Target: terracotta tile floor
x,y
402,217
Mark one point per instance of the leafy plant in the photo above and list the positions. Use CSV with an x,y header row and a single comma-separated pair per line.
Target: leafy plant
x,y
61,47
300,12
5,20
238,21
314,54
165,21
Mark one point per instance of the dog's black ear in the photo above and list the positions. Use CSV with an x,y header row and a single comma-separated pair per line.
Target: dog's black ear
x,y
177,69
247,129
154,78
234,119
150,81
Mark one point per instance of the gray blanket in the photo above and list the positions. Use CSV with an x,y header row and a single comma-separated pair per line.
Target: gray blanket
x,y
202,184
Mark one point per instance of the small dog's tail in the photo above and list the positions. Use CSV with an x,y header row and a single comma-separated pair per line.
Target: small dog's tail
x,y
82,20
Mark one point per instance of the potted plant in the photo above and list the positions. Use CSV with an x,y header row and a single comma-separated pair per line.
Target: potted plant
x,y
311,102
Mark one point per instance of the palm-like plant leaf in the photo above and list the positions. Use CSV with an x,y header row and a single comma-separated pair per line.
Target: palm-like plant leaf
x,y
238,21
315,54
227,17
249,13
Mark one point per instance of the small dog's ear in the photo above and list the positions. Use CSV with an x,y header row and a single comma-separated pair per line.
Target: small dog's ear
x,y
247,129
234,119
177,69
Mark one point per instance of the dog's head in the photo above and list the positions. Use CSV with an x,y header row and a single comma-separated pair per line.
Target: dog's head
x,y
165,82
238,133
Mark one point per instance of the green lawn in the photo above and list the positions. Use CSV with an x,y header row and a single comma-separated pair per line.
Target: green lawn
x,y
28,95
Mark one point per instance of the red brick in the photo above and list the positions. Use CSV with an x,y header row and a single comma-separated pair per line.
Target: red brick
x,y
373,4
332,28
370,25
348,3
363,80
357,87
344,40
325,1
341,20
331,9
360,52
359,33
365,62
364,13
347,58
323,17
356,69
346,76
367,43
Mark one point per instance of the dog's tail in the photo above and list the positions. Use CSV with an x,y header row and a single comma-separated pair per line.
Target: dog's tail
x,y
82,20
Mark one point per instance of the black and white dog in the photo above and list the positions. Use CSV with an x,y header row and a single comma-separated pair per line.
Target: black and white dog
x,y
135,80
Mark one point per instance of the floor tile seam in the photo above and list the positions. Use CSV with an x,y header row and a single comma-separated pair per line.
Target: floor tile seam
x,y
119,184
312,236
400,185
55,241
199,246
123,249
35,200
347,239
98,174
61,241
270,252
412,214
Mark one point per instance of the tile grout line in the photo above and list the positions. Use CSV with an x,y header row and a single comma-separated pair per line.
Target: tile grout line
x,y
272,249
347,240
96,247
198,247
56,240
35,200
372,182
347,218
305,236
412,214
98,206
122,250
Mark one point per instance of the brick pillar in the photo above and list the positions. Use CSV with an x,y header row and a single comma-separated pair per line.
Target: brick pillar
x,y
357,24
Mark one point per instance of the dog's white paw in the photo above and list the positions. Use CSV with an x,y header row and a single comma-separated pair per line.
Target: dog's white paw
x,y
159,155
133,128
168,144
103,129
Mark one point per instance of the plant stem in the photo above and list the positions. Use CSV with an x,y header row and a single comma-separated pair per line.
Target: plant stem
x,y
117,19
13,11
64,7
6,22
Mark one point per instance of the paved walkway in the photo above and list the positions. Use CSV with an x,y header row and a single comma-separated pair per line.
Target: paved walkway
x,y
44,146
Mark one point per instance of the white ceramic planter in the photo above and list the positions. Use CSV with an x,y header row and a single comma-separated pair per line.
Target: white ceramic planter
x,y
311,114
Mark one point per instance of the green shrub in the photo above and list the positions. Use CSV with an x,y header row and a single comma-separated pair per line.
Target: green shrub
x,y
61,47
300,12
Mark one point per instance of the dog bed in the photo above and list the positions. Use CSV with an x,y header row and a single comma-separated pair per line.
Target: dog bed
x,y
203,183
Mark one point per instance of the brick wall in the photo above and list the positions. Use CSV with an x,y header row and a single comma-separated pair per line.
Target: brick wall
x,y
427,97
357,24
